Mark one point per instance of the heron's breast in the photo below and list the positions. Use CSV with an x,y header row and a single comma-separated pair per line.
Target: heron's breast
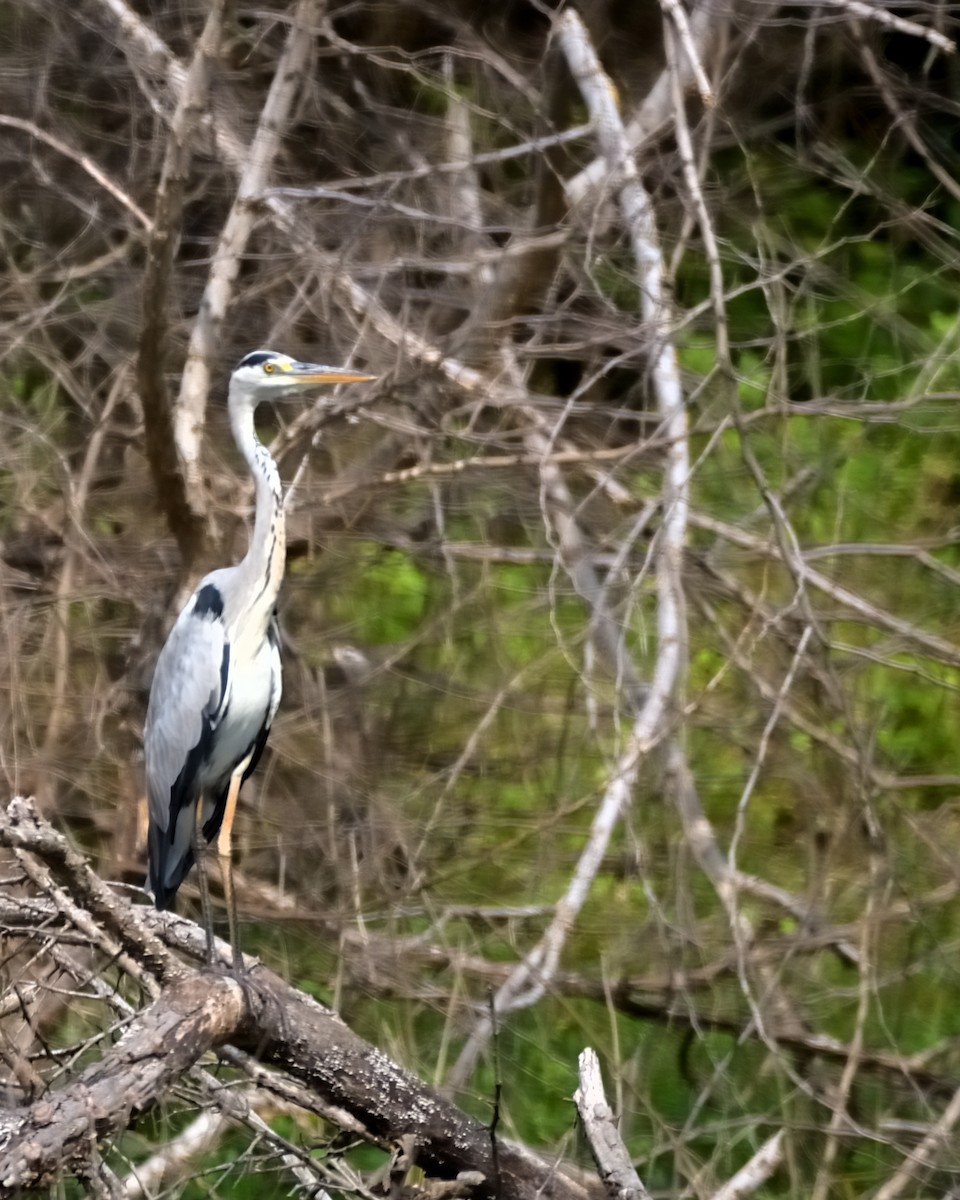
x,y
251,688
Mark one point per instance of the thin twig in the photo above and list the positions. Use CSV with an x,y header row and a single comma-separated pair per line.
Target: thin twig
x,y
678,16
873,12
922,1157
840,1100
86,164
938,647
903,120
78,495
574,552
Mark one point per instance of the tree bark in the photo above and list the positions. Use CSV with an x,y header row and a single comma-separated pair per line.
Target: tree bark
x,y
59,1132
196,1012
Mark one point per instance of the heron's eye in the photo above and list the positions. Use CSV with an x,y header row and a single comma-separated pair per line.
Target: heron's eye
x,y
268,367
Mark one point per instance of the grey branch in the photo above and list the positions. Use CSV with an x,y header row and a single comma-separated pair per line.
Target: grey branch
x,y
182,503
873,12
754,1173
704,26
56,1134
618,1173
531,976
83,161
263,1016
205,336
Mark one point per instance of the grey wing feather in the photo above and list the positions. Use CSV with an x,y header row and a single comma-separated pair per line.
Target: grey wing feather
x,y
189,694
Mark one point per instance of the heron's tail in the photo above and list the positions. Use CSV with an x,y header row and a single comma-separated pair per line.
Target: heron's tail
x,y
165,873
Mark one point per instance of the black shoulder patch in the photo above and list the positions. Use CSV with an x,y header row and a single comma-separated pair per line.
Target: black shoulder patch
x,y
209,602
256,359
214,713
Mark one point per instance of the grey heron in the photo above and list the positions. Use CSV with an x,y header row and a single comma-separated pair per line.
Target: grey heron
x,y
217,682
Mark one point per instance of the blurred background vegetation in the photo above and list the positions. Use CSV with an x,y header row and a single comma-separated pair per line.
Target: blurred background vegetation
x,y
448,724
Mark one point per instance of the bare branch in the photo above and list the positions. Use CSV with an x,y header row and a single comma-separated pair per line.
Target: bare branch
x,y
609,1153
205,336
262,1015
23,828
903,120
231,1107
149,52
937,647
923,1157
57,1132
532,974
176,488
705,24
840,1115
74,538
678,16
755,1173
574,552
873,12
174,1158
82,161
507,520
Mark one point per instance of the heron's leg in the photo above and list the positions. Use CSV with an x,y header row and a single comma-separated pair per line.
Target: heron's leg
x,y
206,909
226,864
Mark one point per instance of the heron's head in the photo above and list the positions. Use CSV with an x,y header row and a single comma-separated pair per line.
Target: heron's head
x,y
265,374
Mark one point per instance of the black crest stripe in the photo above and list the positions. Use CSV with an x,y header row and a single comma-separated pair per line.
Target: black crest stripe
x,y
256,359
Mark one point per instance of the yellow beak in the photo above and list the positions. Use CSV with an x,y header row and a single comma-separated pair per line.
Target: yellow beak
x,y
313,373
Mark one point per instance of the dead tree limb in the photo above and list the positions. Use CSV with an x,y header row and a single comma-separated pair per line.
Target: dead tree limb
x,y
57,1134
705,25
618,1173
614,1163
651,723
756,1171
184,509
205,336
23,828
357,1085
83,161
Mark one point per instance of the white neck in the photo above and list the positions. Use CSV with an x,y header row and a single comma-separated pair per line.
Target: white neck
x,y
261,570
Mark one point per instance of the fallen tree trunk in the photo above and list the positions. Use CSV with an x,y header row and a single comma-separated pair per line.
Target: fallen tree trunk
x,y
58,1133
197,1011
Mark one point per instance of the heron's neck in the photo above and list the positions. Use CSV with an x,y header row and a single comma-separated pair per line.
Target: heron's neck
x,y
262,567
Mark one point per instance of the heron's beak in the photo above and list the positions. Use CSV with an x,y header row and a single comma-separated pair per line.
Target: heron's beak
x,y
314,373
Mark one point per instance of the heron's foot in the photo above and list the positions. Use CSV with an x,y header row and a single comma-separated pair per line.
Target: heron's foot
x,y
239,966
261,996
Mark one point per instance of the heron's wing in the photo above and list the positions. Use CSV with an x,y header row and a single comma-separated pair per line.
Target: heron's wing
x,y
187,700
